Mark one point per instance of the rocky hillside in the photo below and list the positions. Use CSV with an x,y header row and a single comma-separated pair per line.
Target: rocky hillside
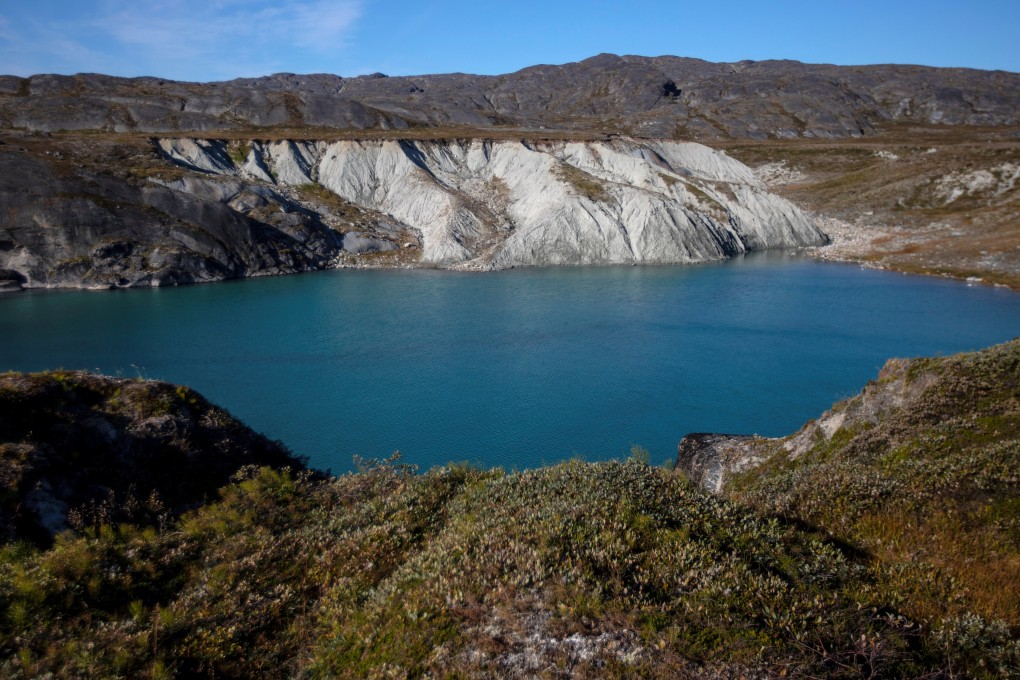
x,y
647,96
119,182
504,204
92,450
100,215
880,541
936,200
920,470
178,210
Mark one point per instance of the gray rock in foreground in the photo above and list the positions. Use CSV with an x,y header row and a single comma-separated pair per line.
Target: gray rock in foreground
x,y
706,458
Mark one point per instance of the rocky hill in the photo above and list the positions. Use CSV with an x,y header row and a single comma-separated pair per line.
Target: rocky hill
x,y
880,541
91,449
648,96
118,182
181,210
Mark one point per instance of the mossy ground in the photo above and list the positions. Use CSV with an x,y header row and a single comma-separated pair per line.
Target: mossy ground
x,y
614,569
929,491
886,551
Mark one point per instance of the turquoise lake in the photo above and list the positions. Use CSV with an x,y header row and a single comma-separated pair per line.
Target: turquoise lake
x,y
516,368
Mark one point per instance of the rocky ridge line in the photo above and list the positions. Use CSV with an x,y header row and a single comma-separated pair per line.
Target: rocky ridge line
x,y
649,96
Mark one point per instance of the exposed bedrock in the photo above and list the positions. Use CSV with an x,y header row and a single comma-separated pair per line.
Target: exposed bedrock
x,y
90,230
710,460
495,204
706,458
202,210
651,96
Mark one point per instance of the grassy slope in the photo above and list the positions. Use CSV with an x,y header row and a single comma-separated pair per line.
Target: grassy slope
x,y
927,487
890,549
617,567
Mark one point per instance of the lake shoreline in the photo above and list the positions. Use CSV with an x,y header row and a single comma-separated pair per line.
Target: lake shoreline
x,y
848,245
532,363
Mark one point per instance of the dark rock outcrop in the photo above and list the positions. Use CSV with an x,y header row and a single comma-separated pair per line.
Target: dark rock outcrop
x,y
103,449
10,280
68,224
705,458
653,96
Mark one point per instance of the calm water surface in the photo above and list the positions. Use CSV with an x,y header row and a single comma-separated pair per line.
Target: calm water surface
x,y
514,368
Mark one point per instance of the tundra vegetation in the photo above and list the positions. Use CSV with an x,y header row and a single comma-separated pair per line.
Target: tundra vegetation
x,y
147,533
919,199
888,549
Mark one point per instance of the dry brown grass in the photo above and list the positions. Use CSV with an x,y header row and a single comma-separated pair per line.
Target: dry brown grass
x,y
296,133
959,546
974,236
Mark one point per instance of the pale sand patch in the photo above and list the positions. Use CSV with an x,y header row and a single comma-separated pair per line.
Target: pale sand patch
x,y
778,174
851,241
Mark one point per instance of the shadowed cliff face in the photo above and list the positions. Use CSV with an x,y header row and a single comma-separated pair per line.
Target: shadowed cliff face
x,y
65,224
79,212
660,96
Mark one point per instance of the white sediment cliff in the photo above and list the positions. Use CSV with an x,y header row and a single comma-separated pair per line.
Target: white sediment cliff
x,y
494,204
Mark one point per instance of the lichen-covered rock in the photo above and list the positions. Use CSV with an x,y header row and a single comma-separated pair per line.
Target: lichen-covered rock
x,y
706,458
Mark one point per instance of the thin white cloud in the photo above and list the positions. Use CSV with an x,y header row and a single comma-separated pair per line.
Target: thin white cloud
x,y
189,39
227,34
38,47
324,31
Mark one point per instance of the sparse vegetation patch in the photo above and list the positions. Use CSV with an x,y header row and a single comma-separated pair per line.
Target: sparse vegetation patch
x,y
239,151
928,488
584,184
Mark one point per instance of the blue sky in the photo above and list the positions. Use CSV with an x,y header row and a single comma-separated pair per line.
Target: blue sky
x,y
220,39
